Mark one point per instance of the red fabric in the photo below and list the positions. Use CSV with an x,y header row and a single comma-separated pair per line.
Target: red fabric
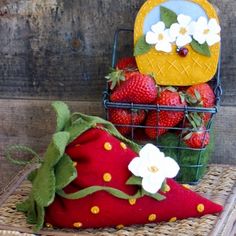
x,y
92,162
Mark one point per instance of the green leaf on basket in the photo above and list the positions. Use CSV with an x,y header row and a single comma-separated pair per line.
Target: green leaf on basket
x,y
65,172
141,47
63,115
134,180
167,16
202,49
186,158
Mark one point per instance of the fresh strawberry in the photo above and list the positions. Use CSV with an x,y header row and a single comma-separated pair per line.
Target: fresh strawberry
x,y
125,117
124,69
201,95
197,139
164,118
127,64
138,88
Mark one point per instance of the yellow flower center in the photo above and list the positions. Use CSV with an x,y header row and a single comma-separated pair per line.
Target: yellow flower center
x,y
153,169
206,31
160,36
182,31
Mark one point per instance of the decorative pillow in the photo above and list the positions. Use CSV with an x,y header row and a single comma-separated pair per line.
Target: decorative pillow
x,y
177,41
92,176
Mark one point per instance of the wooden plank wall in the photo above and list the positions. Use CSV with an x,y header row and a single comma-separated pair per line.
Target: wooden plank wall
x,y
61,50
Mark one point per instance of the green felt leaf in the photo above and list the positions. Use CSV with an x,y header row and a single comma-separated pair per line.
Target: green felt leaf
x,y
24,206
40,218
65,172
63,115
32,175
202,49
141,47
56,148
31,213
43,188
134,180
167,16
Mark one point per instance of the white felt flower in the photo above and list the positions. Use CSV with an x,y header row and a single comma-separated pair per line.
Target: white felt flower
x,y
153,167
204,31
159,37
182,30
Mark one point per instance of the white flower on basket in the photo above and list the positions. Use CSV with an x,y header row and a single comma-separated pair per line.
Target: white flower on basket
x,y
159,37
153,167
204,31
182,30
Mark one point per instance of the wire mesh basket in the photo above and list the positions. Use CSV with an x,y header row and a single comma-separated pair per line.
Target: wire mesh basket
x,y
192,161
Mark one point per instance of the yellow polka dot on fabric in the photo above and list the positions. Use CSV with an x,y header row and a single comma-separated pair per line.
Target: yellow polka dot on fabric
x,y
95,210
173,219
77,224
186,186
152,217
107,146
132,201
167,188
107,177
200,208
120,226
123,145
48,225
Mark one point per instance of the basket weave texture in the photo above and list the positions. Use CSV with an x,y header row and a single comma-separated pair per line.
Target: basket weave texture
x,y
217,185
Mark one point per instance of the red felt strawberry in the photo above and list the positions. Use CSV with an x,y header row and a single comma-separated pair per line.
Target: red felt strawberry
x,y
125,117
103,160
91,177
162,119
197,139
201,95
138,88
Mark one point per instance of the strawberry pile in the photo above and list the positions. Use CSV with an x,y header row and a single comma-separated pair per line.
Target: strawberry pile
x,y
167,113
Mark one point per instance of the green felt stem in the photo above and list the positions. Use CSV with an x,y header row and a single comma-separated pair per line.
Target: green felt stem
x,y
22,149
93,189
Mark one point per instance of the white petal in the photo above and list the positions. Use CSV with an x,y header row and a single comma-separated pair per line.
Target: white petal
x,y
163,46
213,26
171,167
151,38
153,183
212,39
158,27
149,150
136,166
202,22
174,30
199,37
184,20
168,36
183,40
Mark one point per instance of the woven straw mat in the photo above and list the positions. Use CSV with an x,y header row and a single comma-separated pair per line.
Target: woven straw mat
x,y
216,185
